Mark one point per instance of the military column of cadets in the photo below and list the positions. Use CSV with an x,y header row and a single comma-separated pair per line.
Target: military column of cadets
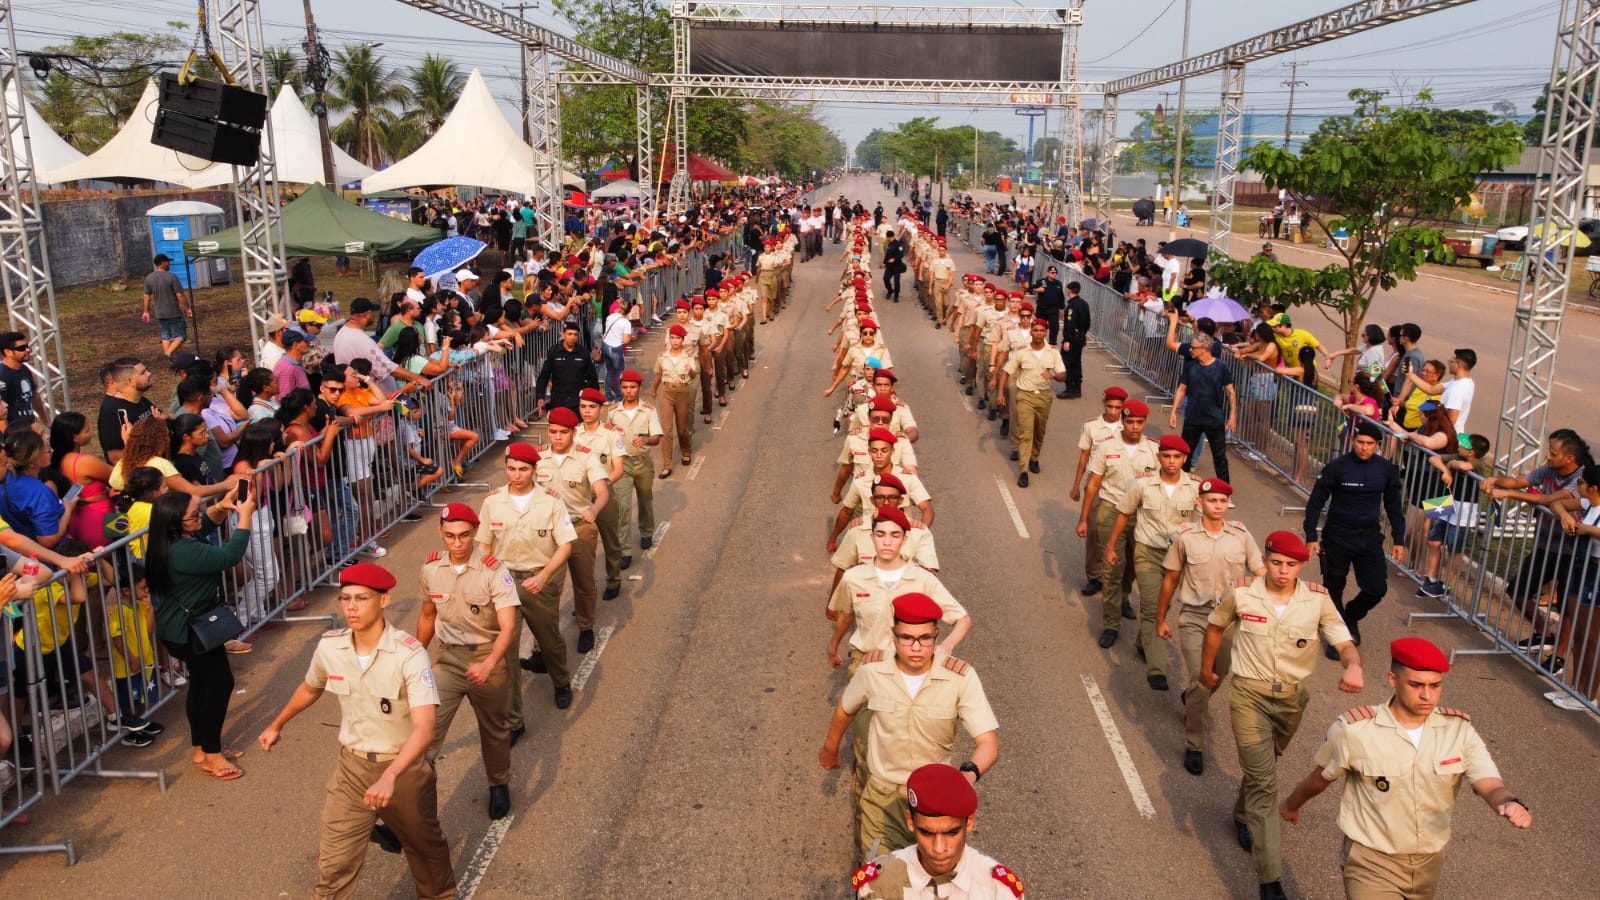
x,y
906,694
1146,522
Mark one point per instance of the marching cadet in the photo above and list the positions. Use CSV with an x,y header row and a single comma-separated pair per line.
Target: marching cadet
x,y
1275,649
641,430
1158,505
387,705
721,338
857,545
1030,371
769,279
701,328
904,424
470,602
585,486
989,322
1096,431
675,373
530,530
1205,559
1017,337
909,731
864,596
963,325
855,458
1405,761
941,273
1113,469
857,500
598,437
941,809
998,329
854,361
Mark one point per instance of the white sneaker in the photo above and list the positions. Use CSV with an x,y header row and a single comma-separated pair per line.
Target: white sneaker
x,y
1553,696
373,551
1568,702
500,434
174,678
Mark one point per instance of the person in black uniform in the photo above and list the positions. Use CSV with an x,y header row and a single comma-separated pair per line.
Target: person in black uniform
x,y
1051,302
941,221
894,252
1358,488
1074,334
567,370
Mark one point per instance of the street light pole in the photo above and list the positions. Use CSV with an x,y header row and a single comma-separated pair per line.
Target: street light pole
x,y
1291,83
1177,154
317,66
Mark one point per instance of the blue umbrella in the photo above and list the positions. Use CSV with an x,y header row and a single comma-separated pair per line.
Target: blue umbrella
x,y
448,255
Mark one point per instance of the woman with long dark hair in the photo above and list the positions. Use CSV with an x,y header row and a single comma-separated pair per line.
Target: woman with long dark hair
x,y
184,573
68,435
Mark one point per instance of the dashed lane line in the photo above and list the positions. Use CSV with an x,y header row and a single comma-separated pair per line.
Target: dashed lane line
x,y
1130,774
694,467
656,539
591,659
478,866
1011,507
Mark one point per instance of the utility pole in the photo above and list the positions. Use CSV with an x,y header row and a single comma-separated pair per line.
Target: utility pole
x,y
1177,146
527,132
319,67
1291,83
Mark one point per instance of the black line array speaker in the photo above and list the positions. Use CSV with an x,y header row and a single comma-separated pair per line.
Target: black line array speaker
x,y
209,119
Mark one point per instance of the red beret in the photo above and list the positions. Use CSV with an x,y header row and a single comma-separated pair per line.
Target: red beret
x,y
459,512
368,575
564,416
1420,654
631,375
1216,486
939,789
1115,393
881,403
892,514
868,323
884,373
913,608
940,240
522,451
678,330
682,304
1173,442
1287,543
1136,409
1026,307
858,281
882,434
592,395
713,292
890,480
697,300
863,306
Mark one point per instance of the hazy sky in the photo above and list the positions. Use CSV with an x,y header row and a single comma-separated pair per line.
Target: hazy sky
x,y
1470,56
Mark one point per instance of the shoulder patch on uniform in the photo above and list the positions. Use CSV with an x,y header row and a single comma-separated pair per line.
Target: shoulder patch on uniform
x,y
335,632
490,560
410,641
552,492
613,427
1245,581
1315,588
1185,527
873,656
1235,523
958,666
1008,878
1359,714
865,875
1452,711
435,555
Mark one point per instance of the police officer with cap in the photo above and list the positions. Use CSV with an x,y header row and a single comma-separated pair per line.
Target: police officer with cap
x,y
470,604
1405,761
1277,617
942,808
387,703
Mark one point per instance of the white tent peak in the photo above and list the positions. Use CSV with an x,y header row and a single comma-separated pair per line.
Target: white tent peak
x,y
476,146
50,152
298,149
129,154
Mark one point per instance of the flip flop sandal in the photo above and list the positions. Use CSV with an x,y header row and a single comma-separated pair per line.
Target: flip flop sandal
x,y
227,753
299,604
231,773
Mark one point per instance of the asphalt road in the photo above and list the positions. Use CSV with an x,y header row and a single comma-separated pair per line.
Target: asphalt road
x,y
688,765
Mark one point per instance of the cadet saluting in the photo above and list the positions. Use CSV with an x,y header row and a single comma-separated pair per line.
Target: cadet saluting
x,y
1405,762
387,703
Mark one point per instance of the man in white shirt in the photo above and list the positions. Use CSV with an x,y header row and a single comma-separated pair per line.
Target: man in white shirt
x,y
416,281
1171,276
1459,390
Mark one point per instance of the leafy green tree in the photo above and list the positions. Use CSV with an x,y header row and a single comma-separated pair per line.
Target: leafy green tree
x,y
1380,177
432,88
369,93
1155,150
1533,131
789,140
101,92
284,68
62,106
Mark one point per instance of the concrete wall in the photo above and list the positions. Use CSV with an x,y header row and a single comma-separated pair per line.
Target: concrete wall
x,y
105,236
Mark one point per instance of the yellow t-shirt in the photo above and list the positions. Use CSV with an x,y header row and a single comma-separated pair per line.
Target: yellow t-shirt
x,y
132,650
119,475
56,617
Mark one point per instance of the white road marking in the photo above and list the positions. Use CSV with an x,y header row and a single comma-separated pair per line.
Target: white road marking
x,y
1586,337
723,421
694,467
592,659
1563,384
1141,800
656,539
478,866
1011,507
961,394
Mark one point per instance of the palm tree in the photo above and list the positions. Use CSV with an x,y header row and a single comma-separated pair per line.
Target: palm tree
x,y
283,67
434,87
368,91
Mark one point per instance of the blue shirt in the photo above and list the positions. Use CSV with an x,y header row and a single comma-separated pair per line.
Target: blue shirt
x,y
29,506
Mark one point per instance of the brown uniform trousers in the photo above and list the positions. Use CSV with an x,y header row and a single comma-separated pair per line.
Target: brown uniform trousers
x,y
1371,875
637,492
542,612
411,812
708,366
491,703
611,524
677,421
724,366
1118,578
1264,721
585,595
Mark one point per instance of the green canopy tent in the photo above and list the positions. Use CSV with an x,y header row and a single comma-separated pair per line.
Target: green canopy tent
x,y
320,223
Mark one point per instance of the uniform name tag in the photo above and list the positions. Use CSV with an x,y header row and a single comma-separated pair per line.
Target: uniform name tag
x,y
497,524
335,677
1449,761
435,596
1248,617
863,595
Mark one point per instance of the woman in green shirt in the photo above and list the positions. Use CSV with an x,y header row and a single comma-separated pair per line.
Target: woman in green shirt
x,y
185,578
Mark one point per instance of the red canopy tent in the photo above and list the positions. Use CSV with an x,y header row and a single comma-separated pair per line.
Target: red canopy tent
x,y
700,169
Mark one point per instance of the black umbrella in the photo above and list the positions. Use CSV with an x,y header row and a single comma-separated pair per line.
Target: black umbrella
x,y
1091,224
1187,247
1144,209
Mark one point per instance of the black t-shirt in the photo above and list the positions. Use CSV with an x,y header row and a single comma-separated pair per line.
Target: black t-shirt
x,y
17,386
325,413
193,467
110,422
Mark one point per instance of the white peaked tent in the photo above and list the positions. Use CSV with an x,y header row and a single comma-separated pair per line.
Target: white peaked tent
x,y
129,154
621,189
476,146
298,147
50,152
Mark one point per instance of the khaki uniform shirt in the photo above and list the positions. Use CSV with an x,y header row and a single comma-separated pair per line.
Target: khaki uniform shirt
x,y
767,265
993,325
375,704
468,600
898,423
942,270
677,369
855,548
525,540
1211,563
854,453
716,321
859,495
1097,431
1399,796
1273,646
1120,465
856,359
607,442
900,876
909,732
644,422
573,476
700,330
1157,516
862,594
967,302
1033,370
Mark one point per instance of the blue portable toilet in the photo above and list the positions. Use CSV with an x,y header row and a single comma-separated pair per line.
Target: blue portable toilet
x,y
173,223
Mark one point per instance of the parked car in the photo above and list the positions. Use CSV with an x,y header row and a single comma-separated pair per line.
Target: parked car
x,y
1515,237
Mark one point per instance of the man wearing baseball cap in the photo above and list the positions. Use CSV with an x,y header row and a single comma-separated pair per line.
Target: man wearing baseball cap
x,y
1278,618
1404,763
172,308
1113,469
941,808
470,603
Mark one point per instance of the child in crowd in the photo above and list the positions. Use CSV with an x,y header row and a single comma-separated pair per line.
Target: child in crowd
x,y
130,621
1468,456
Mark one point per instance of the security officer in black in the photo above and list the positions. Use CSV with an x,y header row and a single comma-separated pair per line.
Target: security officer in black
x,y
567,370
1051,302
1358,488
1074,334
894,254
